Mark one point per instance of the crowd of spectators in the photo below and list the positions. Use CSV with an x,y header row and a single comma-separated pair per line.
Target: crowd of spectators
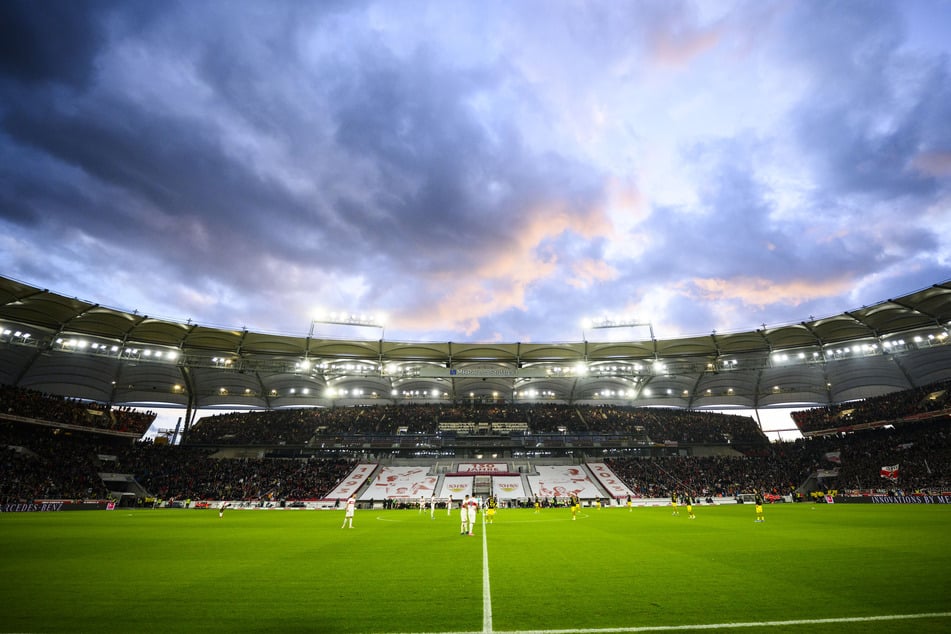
x,y
848,461
298,426
185,472
67,411
39,462
43,461
895,406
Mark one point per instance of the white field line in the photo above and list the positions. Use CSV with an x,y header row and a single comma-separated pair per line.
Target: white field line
x,y
486,594
714,626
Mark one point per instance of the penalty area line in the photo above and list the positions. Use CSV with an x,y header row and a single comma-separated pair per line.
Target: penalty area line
x,y
713,626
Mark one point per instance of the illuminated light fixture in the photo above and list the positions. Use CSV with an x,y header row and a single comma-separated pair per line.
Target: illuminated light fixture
x,y
598,323
345,318
609,321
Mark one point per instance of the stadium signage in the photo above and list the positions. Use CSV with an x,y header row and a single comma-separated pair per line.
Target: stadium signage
x,y
31,508
483,467
911,499
483,372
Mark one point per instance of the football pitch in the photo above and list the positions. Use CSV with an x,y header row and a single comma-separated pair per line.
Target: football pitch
x,y
807,568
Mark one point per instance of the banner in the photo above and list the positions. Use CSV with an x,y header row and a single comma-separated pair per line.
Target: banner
x,y
611,483
561,482
352,482
483,467
456,487
401,482
508,487
834,456
890,472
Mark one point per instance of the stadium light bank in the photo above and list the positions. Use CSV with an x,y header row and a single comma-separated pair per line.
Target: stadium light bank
x,y
603,323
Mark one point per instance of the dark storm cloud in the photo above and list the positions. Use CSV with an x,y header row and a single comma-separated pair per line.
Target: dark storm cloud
x,y
50,41
408,176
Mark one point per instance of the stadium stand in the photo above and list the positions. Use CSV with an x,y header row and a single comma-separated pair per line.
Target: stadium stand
x,y
52,451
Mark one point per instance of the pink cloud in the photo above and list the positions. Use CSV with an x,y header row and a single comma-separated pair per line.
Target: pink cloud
x,y
501,278
933,163
586,272
761,292
675,45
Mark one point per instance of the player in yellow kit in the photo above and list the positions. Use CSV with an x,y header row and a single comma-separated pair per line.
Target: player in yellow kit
x,y
490,510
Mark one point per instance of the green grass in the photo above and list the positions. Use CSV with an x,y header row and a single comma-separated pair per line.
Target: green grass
x,y
400,571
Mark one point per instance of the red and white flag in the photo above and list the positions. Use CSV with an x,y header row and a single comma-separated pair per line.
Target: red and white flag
x,y
890,472
834,456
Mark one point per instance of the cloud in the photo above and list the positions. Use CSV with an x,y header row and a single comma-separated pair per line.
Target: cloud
x,y
41,43
937,164
474,170
758,293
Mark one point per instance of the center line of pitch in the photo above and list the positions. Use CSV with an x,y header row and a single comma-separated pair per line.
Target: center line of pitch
x,y
486,593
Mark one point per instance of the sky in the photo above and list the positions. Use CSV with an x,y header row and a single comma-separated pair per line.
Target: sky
x,y
485,171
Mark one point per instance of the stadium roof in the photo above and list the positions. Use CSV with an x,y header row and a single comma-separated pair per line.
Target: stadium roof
x,y
75,348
